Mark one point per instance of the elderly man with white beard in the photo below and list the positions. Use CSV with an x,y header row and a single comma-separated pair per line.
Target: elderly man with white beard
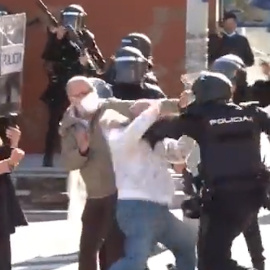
x,y
84,148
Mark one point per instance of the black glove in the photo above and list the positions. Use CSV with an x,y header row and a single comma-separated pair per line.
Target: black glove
x,y
188,182
192,207
267,200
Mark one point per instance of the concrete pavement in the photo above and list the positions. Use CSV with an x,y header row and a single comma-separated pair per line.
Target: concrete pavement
x,y
54,246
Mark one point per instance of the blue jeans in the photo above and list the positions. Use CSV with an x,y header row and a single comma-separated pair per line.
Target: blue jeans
x,y
146,223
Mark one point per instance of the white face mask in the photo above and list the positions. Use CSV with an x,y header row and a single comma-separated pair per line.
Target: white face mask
x,y
89,103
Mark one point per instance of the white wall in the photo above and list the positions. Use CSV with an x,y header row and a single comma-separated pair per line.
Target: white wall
x,y
196,29
197,16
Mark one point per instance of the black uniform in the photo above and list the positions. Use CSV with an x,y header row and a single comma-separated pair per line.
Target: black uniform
x,y
133,92
261,92
62,63
235,178
129,83
234,68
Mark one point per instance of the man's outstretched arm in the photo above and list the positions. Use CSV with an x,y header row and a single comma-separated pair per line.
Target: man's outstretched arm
x,y
123,106
172,126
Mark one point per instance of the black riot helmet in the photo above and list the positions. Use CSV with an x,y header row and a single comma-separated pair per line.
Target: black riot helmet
x,y
4,11
139,41
211,86
73,15
130,65
230,65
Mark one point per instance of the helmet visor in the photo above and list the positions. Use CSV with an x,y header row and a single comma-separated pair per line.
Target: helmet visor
x,y
73,19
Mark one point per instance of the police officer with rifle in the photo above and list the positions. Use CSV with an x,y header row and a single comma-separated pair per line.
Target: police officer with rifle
x,y
130,69
235,179
70,50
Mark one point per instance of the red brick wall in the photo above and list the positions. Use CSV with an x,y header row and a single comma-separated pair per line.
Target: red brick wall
x,y
212,15
162,20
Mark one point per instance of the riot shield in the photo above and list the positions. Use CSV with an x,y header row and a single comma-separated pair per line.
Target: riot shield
x,y
12,45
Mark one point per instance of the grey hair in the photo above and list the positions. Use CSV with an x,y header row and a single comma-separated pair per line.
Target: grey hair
x,y
82,79
97,85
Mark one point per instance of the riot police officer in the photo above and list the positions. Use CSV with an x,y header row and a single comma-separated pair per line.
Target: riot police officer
x,y
234,176
130,69
4,11
64,59
241,90
230,65
73,17
143,43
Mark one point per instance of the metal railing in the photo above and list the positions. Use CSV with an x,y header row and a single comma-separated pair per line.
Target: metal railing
x,y
51,172
40,172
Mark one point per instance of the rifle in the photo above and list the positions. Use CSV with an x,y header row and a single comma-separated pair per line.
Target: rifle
x,y
94,50
74,37
53,21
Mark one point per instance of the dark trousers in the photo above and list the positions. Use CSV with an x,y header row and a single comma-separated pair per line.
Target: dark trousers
x,y
100,234
222,220
52,136
5,253
253,239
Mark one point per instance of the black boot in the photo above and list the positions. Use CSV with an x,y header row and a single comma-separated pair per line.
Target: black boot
x,y
259,265
267,202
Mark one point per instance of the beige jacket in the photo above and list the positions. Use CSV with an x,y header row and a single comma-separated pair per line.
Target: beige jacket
x,y
96,168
